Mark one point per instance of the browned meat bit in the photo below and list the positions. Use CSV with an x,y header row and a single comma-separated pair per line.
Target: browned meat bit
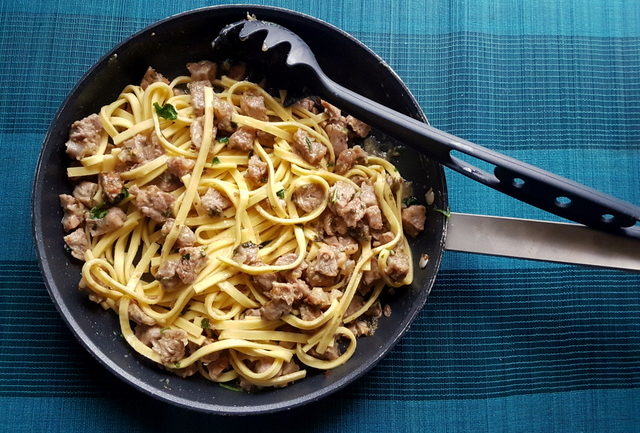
x,y
359,127
196,131
152,76
332,352
84,137
334,113
371,276
214,202
368,195
219,365
274,309
242,139
202,70
346,244
173,272
111,184
153,202
373,213
382,238
196,90
309,312
288,292
223,112
308,197
397,265
338,137
294,274
237,71
344,201
112,221
375,310
253,106
170,346
74,212
413,218
187,371
333,224
78,243
308,104
140,149
374,217
137,315
386,310
186,237
350,157
167,182
179,166
325,262
247,254
84,193
305,146
257,170
356,304
318,297
147,334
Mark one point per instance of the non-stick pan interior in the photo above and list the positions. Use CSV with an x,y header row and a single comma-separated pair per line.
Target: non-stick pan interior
x,y
168,46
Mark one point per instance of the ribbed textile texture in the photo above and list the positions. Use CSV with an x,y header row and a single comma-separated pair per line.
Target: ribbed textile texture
x,y
503,345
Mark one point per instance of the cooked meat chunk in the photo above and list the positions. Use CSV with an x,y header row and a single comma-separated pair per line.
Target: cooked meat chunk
x,y
247,254
191,263
368,195
74,212
186,237
202,70
295,273
382,238
318,297
147,334
237,71
153,202
242,139
333,224
253,106
84,137
152,76
374,217
196,131
166,274
325,262
167,182
112,221
307,148
308,104
309,312
84,193
308,197
288,292
346,244
350,157
338,137
332,352
373,213
375,310
360,128
179,166
265,281
334,113
196,89
274,309
111,184
344,202
78,243
371,276
218,366
413,218
397,266
361,327
140,149
356,304
223,111
170,346
137,315
257,170
214,202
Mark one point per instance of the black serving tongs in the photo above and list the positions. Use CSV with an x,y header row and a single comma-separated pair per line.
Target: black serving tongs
x,y
288,62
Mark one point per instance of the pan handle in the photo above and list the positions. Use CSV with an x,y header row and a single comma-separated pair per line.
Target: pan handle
x,y
520,180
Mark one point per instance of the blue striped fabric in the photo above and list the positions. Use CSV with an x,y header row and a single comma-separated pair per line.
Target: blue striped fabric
x,y
503,345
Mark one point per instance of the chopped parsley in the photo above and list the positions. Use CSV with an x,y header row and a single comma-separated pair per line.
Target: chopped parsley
x,y
445,212
224,140
280,193
176,365
167,111
205,323
186,256
408,201
309,145
124,193
215,160
229,387
98,212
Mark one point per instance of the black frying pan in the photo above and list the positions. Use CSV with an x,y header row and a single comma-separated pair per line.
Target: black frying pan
x,y
168,45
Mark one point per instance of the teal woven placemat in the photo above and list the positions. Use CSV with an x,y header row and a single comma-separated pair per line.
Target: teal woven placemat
x,y
503,345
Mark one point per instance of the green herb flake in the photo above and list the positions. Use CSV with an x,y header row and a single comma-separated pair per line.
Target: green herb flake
x,y
334,196
309,145
331,164
224,140
229,387
280,193
98,212
167,111
204,324
186,256
176,365
124,193
409,201
445,212
215,160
